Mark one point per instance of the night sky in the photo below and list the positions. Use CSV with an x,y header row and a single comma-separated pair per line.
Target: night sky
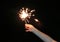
x,y
13,29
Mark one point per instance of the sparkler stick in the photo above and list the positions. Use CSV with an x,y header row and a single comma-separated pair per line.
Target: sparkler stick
x,y
25,22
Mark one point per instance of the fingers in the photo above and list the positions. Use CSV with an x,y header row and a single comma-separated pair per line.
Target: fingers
x,y
28,31
27,27
27,24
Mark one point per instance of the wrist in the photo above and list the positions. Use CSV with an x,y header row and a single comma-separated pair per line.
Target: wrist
x,y
34,29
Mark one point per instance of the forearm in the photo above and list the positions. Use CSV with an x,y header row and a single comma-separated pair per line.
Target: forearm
x,y
43,36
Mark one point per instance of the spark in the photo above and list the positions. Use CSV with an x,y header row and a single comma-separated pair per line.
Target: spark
x,y
36,20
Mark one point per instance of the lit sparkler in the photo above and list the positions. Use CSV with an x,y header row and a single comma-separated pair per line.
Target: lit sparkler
x,y
25,14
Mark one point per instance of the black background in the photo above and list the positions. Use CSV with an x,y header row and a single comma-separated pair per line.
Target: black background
x,y
13,28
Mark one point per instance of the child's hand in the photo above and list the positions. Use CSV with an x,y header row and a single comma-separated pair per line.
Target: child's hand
x,y
29,27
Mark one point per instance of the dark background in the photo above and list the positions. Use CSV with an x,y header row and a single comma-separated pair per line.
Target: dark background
x,y
12,28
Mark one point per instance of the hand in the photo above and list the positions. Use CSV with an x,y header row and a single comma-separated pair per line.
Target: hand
x,y
29,27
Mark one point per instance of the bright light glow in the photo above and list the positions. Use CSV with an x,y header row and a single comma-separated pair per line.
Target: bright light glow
x,y
36,20
25,13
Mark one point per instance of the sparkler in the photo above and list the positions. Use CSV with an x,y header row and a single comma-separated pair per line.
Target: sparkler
x,y
25,14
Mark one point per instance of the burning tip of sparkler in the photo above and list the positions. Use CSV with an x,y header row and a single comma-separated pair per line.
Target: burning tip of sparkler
x,y
25,13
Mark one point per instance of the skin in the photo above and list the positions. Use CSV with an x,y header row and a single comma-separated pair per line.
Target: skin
x,y
41,35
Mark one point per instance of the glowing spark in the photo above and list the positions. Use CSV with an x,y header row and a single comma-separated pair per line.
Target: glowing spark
x,y
36,20
33,15
32,10
25,13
